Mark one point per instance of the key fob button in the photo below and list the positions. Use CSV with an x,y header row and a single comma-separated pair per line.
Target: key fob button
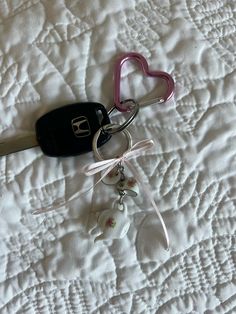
x,y
69,130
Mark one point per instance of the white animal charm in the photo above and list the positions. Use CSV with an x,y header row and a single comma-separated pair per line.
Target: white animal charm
x,y
113,223
112,177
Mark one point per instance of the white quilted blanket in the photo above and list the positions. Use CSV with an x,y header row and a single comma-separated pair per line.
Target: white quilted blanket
x,y
54,53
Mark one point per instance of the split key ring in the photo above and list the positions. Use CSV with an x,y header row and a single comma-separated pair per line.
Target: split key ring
x,y
133,107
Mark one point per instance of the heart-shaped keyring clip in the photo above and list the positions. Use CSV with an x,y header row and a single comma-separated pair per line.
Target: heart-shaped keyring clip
x,y
144,65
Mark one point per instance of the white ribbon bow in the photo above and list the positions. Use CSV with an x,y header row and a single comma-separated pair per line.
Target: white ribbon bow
x,y
109,164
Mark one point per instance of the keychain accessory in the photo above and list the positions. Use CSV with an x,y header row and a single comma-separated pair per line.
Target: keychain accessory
x,y
138,58
106,166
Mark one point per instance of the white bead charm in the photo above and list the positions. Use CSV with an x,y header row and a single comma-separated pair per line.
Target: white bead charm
x,y
112,178
129,186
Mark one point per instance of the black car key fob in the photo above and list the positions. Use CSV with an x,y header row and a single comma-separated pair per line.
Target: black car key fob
x,y
69,130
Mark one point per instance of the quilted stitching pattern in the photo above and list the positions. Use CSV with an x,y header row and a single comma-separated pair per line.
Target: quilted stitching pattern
x,y
58,52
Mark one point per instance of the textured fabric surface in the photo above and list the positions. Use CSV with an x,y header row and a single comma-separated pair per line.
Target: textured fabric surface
x,y
58,52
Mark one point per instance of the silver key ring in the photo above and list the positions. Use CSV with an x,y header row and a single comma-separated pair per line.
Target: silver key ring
x,y
111,126
114,128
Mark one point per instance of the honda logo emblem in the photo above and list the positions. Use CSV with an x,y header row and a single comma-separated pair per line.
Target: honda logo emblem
x,y
81,127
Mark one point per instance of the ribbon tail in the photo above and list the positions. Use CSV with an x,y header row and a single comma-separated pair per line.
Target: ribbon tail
x,y
150,197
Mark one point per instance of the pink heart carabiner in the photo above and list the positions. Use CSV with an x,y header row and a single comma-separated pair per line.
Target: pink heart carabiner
x,y
144,65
